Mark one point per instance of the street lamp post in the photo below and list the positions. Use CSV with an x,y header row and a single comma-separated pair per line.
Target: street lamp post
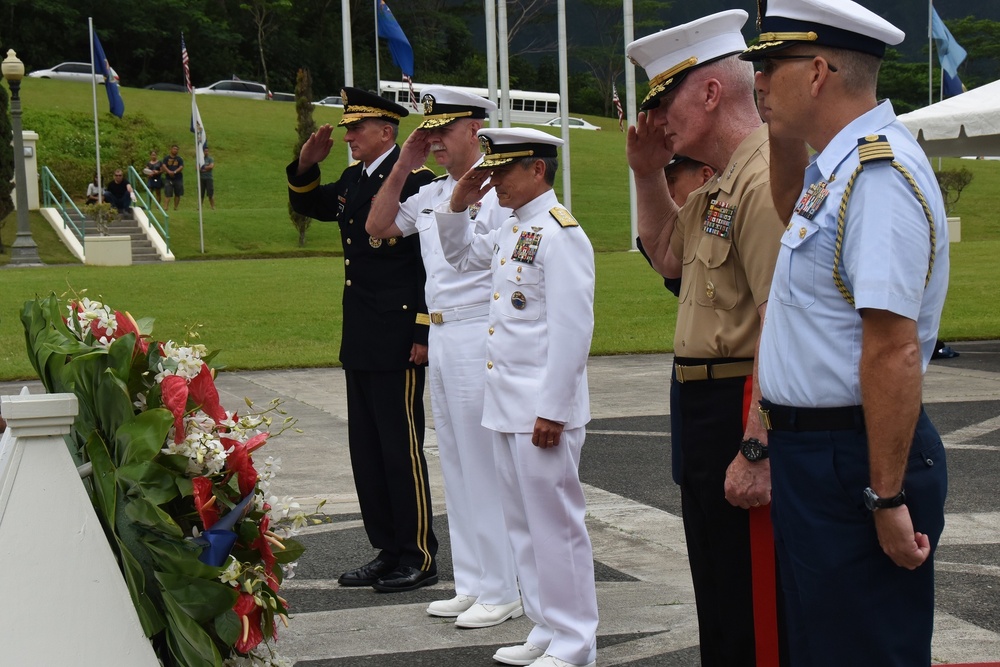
x,y
24,252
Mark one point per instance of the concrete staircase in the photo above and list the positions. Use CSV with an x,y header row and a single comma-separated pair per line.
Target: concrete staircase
x,y
142,250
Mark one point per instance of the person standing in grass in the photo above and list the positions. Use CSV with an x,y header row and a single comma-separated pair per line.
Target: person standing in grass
x,y
173,176
207,179
154,176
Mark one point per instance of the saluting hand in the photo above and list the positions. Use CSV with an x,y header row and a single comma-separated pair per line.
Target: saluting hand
x,y
472,187
413,154
316,148
647,147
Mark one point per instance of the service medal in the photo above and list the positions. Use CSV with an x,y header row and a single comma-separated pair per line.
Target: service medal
x,y
474,209
518,300
809,205
526,247
719,218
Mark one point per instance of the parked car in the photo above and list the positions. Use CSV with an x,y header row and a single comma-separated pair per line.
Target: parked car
x,y
331,101
577,123
236,88
67,72
171,87
283,97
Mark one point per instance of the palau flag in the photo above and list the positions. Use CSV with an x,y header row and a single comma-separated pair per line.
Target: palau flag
x,y
952,86
101,66
950,52
399,46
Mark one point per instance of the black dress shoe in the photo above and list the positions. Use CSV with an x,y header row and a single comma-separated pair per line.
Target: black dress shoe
x,y
405,578
944,352
367,574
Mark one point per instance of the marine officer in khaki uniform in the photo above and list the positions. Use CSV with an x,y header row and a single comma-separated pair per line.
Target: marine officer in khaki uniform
x,y
541,321
384,343
722,244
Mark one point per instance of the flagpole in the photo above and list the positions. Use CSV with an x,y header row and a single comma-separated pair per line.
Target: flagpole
x,y
491,57
197,169
345,14
628,20
504,63
378,70
930,52
567,198
97,134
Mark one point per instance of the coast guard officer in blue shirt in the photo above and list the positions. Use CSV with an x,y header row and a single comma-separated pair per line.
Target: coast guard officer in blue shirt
x,y
857,469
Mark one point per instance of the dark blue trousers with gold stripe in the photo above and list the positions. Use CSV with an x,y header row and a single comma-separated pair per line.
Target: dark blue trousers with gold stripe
x,y
385,411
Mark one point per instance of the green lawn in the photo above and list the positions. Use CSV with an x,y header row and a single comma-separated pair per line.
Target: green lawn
x,y
268,303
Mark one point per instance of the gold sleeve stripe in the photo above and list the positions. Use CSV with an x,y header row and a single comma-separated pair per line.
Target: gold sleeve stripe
x,y
424,319
304,188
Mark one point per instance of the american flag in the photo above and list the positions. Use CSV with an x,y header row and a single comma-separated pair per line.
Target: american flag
x,y
618,105
187,65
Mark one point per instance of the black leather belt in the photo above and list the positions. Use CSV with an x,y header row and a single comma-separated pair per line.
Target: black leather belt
x,y
783,418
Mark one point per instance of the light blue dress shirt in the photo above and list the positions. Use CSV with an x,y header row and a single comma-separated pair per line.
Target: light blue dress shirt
x,y
811,341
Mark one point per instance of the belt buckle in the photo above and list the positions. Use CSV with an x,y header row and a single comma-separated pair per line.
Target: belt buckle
x,y
765,418
437,318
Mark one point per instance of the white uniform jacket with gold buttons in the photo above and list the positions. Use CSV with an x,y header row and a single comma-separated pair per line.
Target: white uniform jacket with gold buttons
x,y
541,312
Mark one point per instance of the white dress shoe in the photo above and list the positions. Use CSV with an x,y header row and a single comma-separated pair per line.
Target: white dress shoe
x,y
552,661
525,654
485,615
451,608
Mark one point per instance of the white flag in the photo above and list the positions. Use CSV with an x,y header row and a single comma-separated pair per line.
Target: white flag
x,y
200,139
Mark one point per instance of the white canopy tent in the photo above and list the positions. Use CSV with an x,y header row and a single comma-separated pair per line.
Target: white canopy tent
x,y
967,124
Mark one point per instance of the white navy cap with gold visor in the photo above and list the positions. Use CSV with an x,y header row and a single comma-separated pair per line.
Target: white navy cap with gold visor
x,y
444,105
670,55
504,145
840,24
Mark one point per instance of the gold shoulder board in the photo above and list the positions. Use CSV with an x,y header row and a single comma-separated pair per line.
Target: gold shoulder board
x,y
563,217
874,148
356,162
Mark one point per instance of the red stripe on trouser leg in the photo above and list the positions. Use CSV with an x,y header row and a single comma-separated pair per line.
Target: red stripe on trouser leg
x,y
765,604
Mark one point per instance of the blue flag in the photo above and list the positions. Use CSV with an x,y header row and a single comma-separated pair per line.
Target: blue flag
x,y
950,53
399,46
101,66
952,86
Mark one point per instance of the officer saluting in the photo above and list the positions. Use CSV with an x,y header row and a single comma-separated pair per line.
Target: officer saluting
x,y
384,343
541,321
858,470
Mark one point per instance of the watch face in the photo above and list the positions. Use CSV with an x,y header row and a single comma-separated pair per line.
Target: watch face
x,y
753,450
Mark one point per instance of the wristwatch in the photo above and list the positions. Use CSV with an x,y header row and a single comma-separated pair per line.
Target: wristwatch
x,y
874,502
753,449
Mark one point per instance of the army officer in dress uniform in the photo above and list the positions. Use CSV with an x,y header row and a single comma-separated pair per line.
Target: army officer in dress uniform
x,y
540,325
384,343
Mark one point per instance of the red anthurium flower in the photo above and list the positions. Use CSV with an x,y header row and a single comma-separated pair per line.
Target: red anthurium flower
x,y
204,501
262,545
239,461
203,390
249,614
126,324
256,442
174,390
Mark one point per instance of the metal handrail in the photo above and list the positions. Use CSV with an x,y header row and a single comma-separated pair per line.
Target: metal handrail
x,y
145,197
62,203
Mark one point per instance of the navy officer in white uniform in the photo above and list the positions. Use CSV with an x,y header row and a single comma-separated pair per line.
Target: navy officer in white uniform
x,y
458,304
858,470
537,403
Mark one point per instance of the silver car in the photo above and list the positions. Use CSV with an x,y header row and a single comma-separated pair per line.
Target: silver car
x,y
67,72
236,88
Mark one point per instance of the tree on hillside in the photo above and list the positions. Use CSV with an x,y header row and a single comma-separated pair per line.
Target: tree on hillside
x,y
522,14
304,126
6,165
981,40
605,59
265,14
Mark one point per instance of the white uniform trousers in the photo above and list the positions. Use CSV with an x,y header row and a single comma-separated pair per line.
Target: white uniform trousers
x,y
480,550
544,508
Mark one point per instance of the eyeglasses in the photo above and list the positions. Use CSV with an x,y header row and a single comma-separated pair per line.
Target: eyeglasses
x,y
766,66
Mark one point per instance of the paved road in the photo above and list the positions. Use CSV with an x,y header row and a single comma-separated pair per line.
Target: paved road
x,y
644,590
